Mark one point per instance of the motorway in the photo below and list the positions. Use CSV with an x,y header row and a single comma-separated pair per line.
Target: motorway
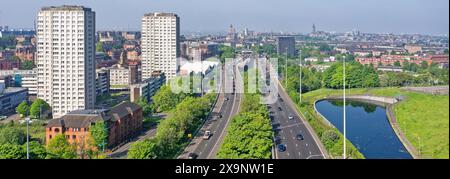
x,y
286,131
208,149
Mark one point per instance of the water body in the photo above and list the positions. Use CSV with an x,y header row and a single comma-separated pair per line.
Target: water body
x,y
368,128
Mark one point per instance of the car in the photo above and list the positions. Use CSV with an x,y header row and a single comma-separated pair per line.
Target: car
x,y
192,156
226,99
3,118
281,99
219,115
280,109
277,140
299,137
206,135
290,117
281,147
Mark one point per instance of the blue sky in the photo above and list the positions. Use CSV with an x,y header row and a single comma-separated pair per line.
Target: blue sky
x,y
381,16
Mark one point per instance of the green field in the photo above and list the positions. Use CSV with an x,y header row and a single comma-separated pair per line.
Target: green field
x,y
424,118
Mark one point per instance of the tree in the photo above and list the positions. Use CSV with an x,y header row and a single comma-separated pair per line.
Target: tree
x,y
59,148
38,107
99,132
146,149
27,65
146,107
397,64
11,151
12,135
23,109
424,65
37,151
99,47
165,99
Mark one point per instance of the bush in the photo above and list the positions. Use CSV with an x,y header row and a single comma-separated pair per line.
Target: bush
x,y
12,135
329,138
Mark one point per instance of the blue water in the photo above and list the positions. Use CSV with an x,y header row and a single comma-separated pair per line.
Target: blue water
x,y
368,128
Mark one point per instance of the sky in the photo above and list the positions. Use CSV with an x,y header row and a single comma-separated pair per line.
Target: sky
x,y
375,16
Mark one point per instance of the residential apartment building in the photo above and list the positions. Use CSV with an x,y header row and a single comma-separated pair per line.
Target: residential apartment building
x,y
10,98
119,77
160,43
102,81
66,58
147,88
123,122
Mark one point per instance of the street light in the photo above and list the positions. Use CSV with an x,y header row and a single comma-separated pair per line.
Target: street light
x,y
344,123
300,53
27,120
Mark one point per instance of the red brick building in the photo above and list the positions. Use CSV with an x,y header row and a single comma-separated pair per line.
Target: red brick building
x,y
123,121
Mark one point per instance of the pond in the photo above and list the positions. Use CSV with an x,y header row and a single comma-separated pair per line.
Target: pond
x,y
368,128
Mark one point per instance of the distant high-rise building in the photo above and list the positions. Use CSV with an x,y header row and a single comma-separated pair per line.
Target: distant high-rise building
x,y
160,44
66,58
314,28
232,36
285,45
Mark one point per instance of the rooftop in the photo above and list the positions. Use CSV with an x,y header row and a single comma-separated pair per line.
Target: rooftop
x,y
66,8
161,14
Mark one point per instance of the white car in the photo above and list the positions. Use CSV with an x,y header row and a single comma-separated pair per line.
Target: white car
x,y
207,135
291,117
3,118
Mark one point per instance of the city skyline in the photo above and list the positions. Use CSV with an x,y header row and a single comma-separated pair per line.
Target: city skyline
x,y
418,16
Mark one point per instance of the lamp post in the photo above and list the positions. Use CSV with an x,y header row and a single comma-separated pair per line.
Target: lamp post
x,y
300,66
27,120
285,67
344,122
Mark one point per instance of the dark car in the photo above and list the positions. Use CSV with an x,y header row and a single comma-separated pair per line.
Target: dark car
x,y
192,156
299,137
277,140
279,109
281,99
281,147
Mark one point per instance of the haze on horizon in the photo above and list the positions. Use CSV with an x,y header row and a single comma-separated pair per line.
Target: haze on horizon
x,y
377,16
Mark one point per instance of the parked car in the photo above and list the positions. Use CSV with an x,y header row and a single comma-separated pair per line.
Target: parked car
x,y
280,109
207,135
290,117
3,118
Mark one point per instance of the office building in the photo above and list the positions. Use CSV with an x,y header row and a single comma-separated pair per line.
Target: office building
x,y
286,45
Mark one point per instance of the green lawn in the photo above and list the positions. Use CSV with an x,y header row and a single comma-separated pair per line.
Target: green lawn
x,y
424,118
